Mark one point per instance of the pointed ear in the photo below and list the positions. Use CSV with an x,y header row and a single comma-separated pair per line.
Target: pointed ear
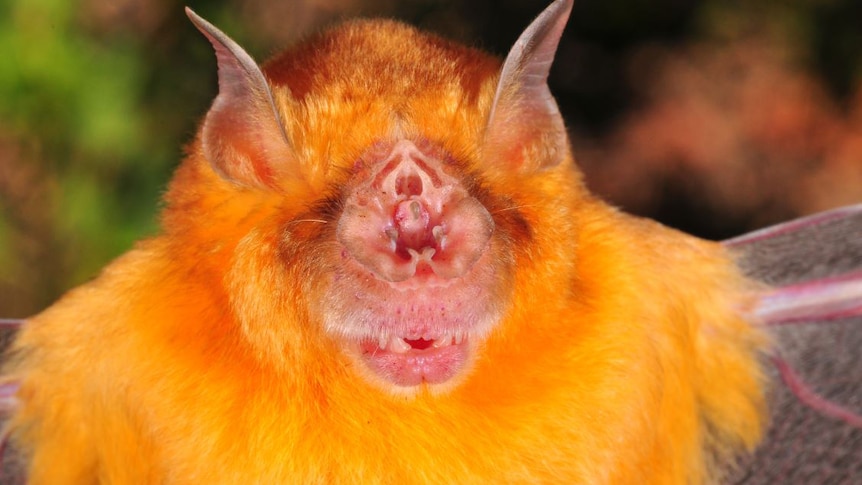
x,y
243,136
525,129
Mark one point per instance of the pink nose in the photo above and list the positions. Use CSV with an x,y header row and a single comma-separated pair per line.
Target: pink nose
x,y
409,214
411,220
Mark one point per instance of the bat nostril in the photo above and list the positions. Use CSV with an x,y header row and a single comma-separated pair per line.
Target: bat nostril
x,y
412,219
408,185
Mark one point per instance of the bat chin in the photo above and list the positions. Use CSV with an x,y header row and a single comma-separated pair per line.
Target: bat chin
x,y
416,285
413,335
411,361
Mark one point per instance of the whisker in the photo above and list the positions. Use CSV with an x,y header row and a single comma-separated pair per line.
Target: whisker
x,y
309,220
514,207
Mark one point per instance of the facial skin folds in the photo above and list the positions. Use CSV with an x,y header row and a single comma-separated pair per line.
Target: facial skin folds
x,y
411,292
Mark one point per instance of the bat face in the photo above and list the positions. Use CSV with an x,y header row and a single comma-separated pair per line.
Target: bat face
x,y
417,283
412,265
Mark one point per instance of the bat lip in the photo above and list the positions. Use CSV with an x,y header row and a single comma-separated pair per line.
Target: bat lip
x,y
406,362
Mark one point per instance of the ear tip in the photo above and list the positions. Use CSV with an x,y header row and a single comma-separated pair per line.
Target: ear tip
x,y
560,9
196,19
566,3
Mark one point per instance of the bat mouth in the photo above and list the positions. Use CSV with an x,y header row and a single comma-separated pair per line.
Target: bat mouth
x,y
412,360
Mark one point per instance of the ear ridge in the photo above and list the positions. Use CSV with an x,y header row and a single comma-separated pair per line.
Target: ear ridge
x,y
525,127
243,135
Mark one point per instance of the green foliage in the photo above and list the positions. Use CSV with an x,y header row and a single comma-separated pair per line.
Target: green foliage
x,y
76,101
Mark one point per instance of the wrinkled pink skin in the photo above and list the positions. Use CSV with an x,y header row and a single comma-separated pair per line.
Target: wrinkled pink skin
x,y
416,267
410,217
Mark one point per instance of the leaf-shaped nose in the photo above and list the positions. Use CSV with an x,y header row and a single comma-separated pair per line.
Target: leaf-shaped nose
x,y
409,217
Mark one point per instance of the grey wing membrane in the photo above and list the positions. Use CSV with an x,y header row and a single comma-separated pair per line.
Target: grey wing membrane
x,y
815,317
11,467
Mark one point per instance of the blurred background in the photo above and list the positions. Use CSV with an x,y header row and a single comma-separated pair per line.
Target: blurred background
x,y
713,116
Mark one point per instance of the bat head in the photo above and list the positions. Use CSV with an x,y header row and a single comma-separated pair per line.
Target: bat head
x,y
357,172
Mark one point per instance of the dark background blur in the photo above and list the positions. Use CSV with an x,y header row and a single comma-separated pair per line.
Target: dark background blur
x,y
716,117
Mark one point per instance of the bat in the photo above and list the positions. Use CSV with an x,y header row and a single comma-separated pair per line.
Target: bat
x,y
379,263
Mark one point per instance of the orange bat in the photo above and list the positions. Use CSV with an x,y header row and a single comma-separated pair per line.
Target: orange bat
x,y
379,264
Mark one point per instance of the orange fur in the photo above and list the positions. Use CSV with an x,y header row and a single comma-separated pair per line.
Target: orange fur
x,y
198,357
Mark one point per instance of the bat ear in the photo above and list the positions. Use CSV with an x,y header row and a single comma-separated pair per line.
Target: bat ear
x,y
243,136
525,125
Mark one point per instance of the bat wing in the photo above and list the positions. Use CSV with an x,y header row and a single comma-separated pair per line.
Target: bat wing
x,y
11,467
815,316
